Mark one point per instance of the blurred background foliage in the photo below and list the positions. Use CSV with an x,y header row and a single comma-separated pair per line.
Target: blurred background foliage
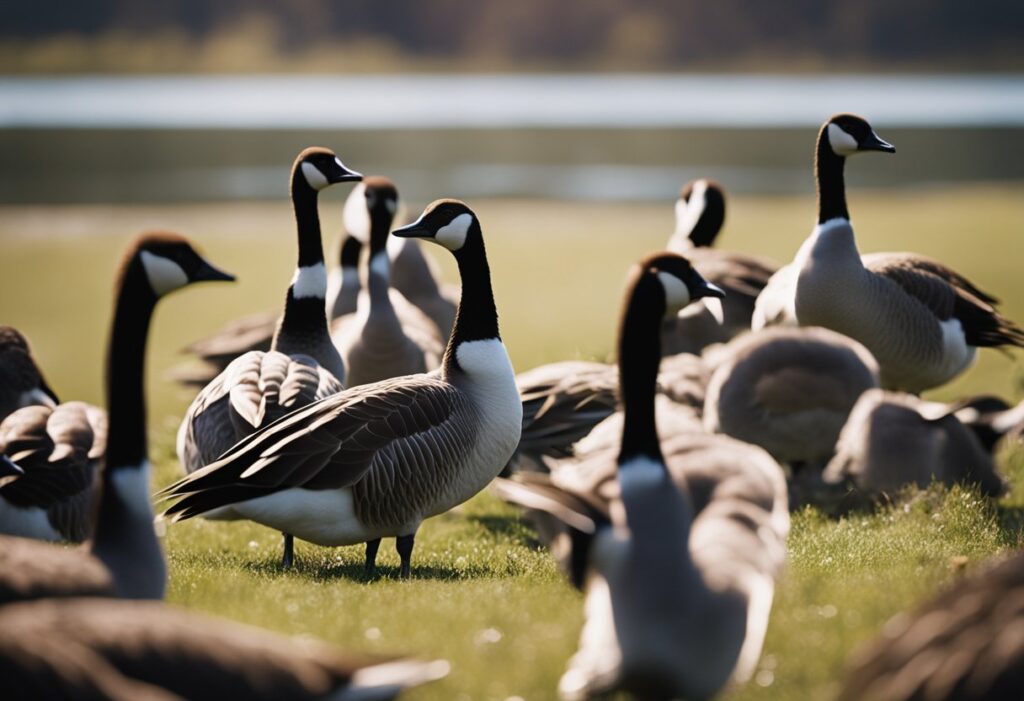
x,y
473,35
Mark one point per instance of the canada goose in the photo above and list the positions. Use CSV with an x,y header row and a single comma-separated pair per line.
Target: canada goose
x,y
788,391
377,460
679,578
128,650
921,320
382,339
21,381
700,212
60,449
302,364
124,557
963,645
893,439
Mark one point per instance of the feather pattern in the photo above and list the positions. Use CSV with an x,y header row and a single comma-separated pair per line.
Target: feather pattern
x,y
60,450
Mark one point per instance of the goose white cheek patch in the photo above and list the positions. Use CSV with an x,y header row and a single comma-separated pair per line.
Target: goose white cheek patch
x,y
313,176
355,217
453,236
841,142
310,281
689,212
164,274
677,295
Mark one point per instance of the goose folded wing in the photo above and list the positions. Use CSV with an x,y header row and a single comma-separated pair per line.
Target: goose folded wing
x,y
56,448
328,444
948,295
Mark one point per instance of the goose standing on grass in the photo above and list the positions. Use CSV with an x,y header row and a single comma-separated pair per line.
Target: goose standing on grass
x,y
679,564
963,645
21,381
302,364
382,339
123,557
376,460
921,320
700,213
789,391
892,440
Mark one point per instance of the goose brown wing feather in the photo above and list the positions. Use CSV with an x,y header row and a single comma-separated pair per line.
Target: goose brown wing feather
x,y
329,444
56,448
948,294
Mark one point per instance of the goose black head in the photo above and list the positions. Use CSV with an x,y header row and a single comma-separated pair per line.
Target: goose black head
x,y
847,134
19,374
8,470
445,222
700,211
679,281
168,262
318,168
374,199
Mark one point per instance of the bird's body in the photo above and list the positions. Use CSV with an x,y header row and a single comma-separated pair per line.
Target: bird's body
x,y
377,459
920,319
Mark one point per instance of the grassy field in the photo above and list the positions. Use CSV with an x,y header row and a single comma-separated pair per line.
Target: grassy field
x,y
483,595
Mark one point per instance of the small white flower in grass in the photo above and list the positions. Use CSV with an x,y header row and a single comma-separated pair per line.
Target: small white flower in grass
x,y
828,611
765,678
253,545
489,636
372,633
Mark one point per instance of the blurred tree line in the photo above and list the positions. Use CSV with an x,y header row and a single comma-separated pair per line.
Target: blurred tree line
x,y
608,34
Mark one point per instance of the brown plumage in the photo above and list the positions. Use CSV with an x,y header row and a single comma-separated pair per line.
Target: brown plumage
x,y
21,380
892,440
964,645
99,649
60,449
32,570
788,390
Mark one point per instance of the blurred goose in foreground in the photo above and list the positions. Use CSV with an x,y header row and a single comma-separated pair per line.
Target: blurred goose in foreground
x,y
788,391
564,402
376,460
302,365
123,557
137,651
60,450
677,544
892,440
921,320
991,419
382,338
21,381
963,645
700,213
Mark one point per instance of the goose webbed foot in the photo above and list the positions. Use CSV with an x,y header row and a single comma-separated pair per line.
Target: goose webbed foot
x,y
370,571
403,544
289,551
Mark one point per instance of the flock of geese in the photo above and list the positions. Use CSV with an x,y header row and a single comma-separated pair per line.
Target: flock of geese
x,y
381,397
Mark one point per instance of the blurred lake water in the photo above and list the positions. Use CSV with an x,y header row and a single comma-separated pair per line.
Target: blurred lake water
x,y
618,137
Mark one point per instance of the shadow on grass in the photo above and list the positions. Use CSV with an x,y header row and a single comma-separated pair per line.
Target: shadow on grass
x,y
508,526
316,570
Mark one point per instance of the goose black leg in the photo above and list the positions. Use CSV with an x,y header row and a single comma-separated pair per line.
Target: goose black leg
x,y
289,551
371,558
403,544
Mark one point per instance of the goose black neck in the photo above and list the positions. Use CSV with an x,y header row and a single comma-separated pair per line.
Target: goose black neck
x,y
380,228
828,171
477,317
639,358
705,231
126,355
305,316
349,255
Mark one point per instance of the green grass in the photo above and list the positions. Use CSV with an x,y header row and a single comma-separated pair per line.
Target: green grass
x,y
483,595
